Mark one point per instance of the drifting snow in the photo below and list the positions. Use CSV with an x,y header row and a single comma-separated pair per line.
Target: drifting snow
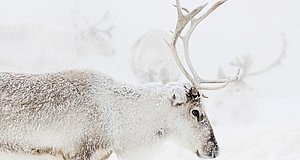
x,y
272,129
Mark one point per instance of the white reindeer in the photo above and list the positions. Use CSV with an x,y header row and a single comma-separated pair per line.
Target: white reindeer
x,y
52,48
92,34
151,58
242,109
75,113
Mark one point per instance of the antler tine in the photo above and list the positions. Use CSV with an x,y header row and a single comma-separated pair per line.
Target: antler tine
x,y
276,62
182,21
223,82
222,85
186,38
235,78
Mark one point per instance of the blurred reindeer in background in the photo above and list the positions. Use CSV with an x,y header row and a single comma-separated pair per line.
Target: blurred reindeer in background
x,y
151,58
92,34
241,107
35,47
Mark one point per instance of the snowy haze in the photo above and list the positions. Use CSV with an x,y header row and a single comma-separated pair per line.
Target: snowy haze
x,y
261,121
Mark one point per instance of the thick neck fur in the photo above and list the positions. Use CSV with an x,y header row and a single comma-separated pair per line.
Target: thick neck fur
x,y
140,113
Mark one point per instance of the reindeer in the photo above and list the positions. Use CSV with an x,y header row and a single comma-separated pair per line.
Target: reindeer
x,y
93,34
50,48
242,109
47,46
246,63
75,113
151,58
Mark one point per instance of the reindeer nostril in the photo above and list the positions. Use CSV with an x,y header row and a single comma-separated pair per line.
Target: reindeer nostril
x,y
215,151
212,149
214,156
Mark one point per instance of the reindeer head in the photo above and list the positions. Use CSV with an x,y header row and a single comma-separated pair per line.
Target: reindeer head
x,y
197,133
191,125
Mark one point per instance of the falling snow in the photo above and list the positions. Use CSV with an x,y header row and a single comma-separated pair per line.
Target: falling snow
x,y
260,121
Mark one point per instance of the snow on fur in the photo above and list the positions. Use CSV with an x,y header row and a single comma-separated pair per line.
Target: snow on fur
x,y
73,114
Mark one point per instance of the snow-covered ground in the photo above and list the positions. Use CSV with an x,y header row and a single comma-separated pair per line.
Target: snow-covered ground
x,y
258,123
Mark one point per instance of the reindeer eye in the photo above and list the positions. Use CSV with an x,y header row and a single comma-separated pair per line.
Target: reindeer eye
x,y
197,115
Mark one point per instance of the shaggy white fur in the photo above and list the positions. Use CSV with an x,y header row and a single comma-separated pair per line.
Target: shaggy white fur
x,y
75,113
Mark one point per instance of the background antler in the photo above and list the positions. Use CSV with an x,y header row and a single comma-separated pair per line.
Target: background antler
x,y
182,21
246,62
276,62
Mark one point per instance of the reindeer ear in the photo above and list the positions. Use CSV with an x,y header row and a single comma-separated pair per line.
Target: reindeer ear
x,y
178,99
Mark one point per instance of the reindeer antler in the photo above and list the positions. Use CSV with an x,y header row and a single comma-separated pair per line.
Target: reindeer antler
x,y
246,62
182,21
